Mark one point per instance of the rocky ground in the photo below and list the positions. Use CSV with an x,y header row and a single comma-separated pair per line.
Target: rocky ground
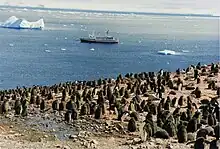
x,y
15,136
49,130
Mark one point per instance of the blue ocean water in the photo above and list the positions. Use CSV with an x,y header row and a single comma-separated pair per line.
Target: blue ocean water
x,y
31,57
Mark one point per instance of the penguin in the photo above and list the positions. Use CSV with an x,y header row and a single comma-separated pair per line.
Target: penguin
x,y
199,143
126,95
167,105
98,112
146,133
70,106
211,120
32,100
173,103
183,116
68,116
42,105
38,100
132,126
62,106
170,127
202,133
75,115
5,106
24,110
182,134
181,101
55,105
18,107
161,134
214,144
217,131
192,125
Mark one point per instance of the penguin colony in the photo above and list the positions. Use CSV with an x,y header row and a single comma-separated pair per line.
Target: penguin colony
x,y
189,119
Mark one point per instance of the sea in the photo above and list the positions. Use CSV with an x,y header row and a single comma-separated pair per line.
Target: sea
x,y
55,54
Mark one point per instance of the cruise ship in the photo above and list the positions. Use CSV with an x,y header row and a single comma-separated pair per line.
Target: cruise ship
x,y
100,39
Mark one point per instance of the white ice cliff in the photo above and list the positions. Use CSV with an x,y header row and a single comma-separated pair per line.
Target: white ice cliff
x,y
16,23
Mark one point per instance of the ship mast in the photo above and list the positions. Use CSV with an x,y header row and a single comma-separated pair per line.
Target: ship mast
x,y
107,32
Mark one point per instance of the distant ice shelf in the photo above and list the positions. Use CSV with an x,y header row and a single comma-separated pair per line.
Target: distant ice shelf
x,y
16,23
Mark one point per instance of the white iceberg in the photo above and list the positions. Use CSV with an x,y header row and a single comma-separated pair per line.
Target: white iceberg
x,y
16,23
166,52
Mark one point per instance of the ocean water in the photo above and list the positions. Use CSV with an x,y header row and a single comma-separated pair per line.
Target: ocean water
x,y
55,54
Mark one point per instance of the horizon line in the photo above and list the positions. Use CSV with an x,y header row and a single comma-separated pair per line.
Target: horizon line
x,y
108,11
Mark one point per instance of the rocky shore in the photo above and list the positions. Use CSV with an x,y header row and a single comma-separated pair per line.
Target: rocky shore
x,y
143,110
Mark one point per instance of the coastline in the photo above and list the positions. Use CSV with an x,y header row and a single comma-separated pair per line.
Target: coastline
x,y
106,131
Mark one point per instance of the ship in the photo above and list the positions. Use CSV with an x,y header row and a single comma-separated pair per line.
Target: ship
x,y
100,39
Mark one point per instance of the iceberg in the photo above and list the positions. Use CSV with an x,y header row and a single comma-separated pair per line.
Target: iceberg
x,y
16,23
167,52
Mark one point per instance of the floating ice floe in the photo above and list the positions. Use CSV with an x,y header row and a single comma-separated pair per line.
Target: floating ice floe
x,y
47,51
166,52
11,44
63,49
16,23
92,49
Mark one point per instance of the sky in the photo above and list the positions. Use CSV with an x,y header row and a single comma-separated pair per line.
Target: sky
x,y
161,6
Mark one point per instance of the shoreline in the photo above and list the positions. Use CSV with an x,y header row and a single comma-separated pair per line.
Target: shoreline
x,y
111,113
89,80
